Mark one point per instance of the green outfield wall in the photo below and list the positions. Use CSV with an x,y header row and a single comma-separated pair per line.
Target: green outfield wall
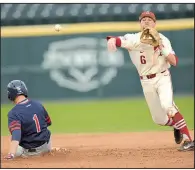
x,y
75,63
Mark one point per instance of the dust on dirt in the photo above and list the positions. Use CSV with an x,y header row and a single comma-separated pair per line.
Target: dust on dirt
x,y
113,150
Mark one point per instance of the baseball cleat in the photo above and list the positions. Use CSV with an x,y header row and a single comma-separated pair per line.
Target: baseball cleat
x,y
187,146
178,136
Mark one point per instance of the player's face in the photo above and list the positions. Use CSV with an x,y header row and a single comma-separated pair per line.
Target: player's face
x,y
147,22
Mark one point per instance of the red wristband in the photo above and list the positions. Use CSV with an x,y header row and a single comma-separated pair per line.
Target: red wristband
x,y
118,40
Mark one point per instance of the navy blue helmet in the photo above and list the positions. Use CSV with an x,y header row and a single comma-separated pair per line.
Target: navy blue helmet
x,y
16,88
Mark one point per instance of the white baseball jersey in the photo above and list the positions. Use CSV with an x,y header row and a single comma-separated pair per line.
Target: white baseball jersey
x,y
146,59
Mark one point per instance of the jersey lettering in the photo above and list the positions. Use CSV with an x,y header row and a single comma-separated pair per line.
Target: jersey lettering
x,y
37,124
143,59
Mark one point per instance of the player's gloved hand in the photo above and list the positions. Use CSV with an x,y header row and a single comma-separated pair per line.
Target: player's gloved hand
x,y
10,156
150,36
111,44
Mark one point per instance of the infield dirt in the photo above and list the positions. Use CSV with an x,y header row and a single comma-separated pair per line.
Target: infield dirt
x,y
109,150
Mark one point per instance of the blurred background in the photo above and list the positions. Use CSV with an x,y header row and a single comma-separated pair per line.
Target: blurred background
x,y
74,65
29,14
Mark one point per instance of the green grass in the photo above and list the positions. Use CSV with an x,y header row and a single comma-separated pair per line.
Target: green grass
x,y
105,116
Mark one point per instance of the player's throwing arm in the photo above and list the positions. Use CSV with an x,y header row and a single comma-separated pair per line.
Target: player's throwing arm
x,y
152,54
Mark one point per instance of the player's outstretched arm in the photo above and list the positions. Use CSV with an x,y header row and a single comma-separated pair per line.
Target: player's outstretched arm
x,y
113,43
122,41
15,130
13,148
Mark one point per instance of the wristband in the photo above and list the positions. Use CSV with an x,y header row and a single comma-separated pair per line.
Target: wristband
x,y
165,52
118,40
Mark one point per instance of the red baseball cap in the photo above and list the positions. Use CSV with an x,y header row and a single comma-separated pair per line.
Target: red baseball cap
x,y
147,14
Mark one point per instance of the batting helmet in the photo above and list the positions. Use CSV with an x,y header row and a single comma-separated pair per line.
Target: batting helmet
x,y
16,88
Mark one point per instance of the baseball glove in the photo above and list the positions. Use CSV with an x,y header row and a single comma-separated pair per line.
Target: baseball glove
x,y
150,36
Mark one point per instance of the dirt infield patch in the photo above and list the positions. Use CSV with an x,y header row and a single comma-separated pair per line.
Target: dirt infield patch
x,y
121,150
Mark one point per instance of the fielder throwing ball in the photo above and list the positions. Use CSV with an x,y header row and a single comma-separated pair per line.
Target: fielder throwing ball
x,y
152,55
27,122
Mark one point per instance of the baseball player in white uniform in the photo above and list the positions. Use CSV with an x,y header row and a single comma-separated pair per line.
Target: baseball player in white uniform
x,y
153,65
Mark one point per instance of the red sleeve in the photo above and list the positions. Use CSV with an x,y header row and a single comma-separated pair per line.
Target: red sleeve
x,y
14,125
48,120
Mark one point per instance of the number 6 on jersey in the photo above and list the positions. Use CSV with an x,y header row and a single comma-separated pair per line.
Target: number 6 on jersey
x,y
143,59
37,124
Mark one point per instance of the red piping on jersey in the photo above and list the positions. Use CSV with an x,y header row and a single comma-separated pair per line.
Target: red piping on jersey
x,y
13,125
24,101
118,40
48,120
47,117
14,122
14,128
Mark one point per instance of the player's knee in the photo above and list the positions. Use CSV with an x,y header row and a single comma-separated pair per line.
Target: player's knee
x,y
170,110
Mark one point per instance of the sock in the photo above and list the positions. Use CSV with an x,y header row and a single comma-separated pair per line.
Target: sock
x,y
170,122
181,125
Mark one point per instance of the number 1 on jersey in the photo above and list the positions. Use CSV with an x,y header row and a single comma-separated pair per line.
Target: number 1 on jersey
x,y
37,124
